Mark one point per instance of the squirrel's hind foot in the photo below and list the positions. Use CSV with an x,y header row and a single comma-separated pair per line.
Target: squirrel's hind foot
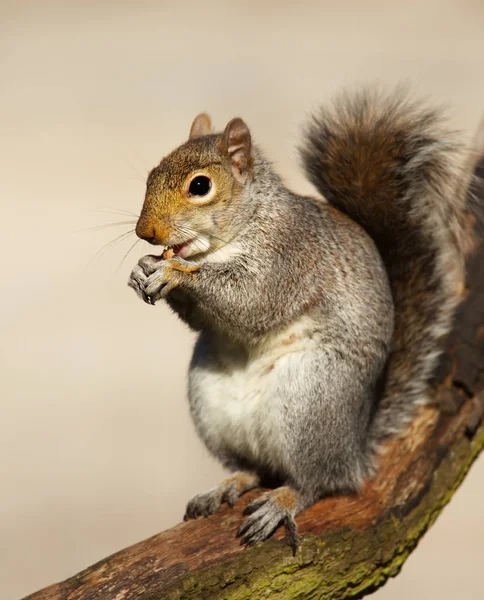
x,y
274,508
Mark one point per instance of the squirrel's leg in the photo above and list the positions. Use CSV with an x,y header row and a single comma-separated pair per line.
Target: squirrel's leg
x,y
272,509
229,490
323,400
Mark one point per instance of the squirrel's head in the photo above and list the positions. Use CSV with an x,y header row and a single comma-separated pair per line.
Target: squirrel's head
x,y
191,196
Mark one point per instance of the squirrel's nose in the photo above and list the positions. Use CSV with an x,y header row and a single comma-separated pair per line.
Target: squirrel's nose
x,y
152,240
149,233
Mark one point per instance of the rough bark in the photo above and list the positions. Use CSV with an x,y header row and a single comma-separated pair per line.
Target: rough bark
x,y
349,545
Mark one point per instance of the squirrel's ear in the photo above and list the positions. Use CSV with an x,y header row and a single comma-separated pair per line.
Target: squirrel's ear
x,y
237,144
202,125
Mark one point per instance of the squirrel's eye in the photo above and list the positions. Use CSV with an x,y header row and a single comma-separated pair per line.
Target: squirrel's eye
x,y
200,186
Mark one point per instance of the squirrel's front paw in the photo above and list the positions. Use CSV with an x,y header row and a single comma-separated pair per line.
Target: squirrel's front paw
x,y
167,275
153,278
203,505
137,281
228,491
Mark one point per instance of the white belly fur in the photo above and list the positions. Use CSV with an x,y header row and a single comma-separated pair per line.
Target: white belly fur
x,y
239,407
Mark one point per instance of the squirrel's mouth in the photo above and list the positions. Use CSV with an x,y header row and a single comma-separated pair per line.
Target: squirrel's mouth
x,y
178,249
186,249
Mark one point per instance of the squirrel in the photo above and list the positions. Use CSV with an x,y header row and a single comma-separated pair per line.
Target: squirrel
x,y
320,320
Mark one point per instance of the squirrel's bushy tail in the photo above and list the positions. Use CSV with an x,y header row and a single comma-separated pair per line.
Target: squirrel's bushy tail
x,y
390,164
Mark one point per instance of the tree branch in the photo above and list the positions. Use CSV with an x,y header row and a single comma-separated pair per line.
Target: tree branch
x,y
350,545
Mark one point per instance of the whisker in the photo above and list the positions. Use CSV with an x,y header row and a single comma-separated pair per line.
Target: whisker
x,y
123,211
187,235
139,175
124,257
197,246
135,169
110,245
191,235
106,225
191,232
196,234
117,211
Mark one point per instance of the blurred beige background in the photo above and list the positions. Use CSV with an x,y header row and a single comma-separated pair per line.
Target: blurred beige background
x,y
97,449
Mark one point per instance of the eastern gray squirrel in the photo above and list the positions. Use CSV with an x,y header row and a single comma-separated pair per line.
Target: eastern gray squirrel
x,y
320,322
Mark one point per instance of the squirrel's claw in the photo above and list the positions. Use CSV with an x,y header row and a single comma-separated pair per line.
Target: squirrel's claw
x,y
166,277
266,514
153,278
137,281
228,491
203,505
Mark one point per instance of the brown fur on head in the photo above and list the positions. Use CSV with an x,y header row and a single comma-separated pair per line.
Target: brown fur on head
x,y
191,195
